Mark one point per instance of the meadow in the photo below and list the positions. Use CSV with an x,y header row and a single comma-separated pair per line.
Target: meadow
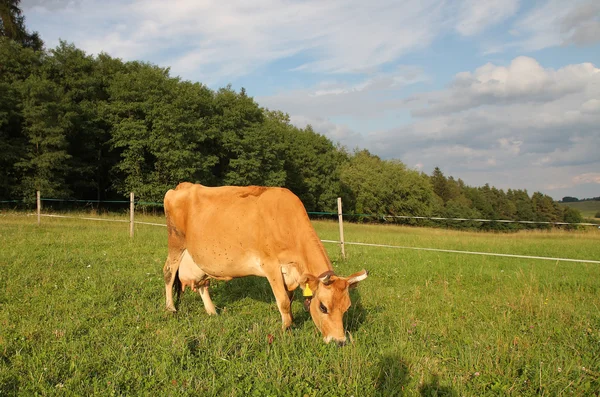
x,y
588,208
82,313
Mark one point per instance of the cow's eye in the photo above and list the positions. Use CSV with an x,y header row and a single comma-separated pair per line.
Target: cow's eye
x,y
323,308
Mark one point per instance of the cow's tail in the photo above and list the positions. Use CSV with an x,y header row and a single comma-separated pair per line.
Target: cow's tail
x,y
177,286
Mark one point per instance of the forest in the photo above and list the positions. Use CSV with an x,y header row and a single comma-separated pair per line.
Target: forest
x,y
81,126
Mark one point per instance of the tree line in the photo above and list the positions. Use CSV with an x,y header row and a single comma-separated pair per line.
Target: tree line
x,y
78,126
570,199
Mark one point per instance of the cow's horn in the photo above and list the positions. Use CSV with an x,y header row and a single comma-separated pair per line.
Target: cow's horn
x,y
324,278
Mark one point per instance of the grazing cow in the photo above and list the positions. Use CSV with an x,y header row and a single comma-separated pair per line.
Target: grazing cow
x,y
227,232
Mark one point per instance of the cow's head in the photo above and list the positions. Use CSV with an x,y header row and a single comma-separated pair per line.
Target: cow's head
x,y
329,301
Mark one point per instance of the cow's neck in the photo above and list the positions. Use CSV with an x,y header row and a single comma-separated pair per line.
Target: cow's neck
x,y
317,261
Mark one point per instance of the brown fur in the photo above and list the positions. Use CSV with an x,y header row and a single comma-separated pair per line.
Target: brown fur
x,y
229,232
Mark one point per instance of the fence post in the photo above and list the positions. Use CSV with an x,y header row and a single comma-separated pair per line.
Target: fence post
x,y
131,212
339,202
39,207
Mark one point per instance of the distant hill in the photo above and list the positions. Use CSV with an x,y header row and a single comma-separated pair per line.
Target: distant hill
x,y
588,208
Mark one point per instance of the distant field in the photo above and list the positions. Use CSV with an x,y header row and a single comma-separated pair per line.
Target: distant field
x,y
81,313
587,208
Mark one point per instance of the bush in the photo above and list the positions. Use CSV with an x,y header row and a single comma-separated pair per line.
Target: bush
x,y
597,214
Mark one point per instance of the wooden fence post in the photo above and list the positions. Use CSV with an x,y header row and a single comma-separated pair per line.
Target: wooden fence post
x,y
339,202
39,207
131,212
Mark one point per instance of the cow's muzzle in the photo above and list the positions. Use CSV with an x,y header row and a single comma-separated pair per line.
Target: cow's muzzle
x,y
339,342
307,301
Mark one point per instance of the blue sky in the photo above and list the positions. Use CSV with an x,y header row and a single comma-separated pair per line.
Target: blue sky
x,y
505,92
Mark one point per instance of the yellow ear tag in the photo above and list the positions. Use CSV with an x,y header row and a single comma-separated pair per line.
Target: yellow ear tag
x,y
307,291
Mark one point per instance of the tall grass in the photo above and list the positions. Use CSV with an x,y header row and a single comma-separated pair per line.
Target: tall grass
x,y
81,313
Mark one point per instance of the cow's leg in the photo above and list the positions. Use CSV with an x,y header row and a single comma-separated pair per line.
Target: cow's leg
x,y
281,294
203,292
290,295
170,273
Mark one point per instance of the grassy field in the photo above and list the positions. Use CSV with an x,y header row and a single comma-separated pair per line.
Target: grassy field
x,y
81,313
588,209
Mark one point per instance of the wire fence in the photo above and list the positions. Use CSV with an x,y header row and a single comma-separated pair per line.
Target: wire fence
x,y
382,217
368,244
340,215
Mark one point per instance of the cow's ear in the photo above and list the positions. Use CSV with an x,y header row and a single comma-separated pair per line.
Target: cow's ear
x,y
357,277
309,280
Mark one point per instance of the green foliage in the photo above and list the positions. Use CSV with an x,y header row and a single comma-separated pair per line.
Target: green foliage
x,y
44,165
454,199
161,128
597,215
385,187
571,215
569,199
313,168
16,65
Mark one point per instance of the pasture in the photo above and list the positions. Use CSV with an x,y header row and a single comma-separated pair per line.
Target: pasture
x,y
588,208
82,313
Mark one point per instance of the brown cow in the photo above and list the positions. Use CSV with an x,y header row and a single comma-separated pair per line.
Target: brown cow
x,y
226,232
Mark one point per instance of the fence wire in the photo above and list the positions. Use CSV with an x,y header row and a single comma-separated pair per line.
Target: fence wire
x,y
367,244
350,215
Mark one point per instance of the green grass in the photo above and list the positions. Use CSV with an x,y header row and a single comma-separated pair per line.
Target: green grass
x,y
588,209
81,313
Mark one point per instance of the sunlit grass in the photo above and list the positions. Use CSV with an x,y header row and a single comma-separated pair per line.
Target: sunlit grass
x,y
81,313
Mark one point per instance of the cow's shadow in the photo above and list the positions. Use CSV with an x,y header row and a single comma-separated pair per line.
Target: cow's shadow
x,y
224,294
393,376
434,388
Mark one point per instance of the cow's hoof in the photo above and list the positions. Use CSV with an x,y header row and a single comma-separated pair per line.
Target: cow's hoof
x,y
171,309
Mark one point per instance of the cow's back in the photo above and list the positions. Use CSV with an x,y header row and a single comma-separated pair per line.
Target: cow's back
x,y
230,230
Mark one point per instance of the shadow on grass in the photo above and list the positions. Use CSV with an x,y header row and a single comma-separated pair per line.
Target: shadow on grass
x,y
356,314
434,388
224,293
253,287
393,376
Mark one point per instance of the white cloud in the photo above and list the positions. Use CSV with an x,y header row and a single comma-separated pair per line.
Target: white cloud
x,y
558,22
510,145
216,41
505,124
212,39
590,177
476,15
591,180
49,4
523,81
581,25
495,124
338,133
368,98
591,106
